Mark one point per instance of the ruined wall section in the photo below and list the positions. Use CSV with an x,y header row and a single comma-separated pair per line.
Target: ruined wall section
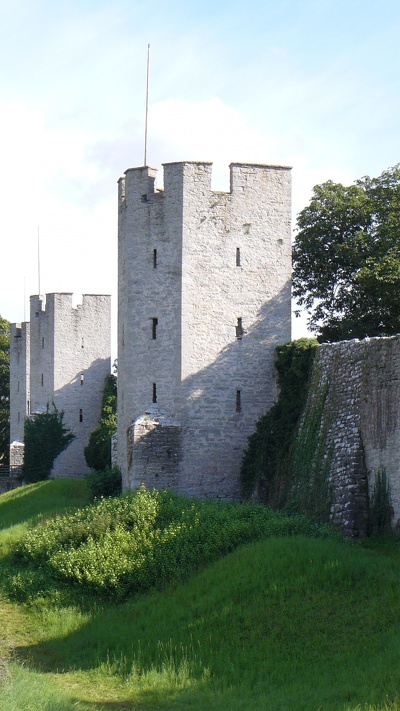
x,y
357,384
19,381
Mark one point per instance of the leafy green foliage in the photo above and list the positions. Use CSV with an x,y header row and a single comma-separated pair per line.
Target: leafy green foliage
x,y
45,437
4,390
380,508
347,258
137,541
107,482
264,467
98,451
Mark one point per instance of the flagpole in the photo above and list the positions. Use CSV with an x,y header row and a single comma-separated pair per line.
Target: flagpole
x,y
147,105
38,259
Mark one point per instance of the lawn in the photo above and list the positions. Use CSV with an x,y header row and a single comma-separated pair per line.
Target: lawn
x,y
281,623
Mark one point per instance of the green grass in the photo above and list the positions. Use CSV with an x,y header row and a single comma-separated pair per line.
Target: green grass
x,y
28,504
279,624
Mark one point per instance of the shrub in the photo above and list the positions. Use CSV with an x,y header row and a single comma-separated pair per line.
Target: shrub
x,y
149,538
107,482
45,437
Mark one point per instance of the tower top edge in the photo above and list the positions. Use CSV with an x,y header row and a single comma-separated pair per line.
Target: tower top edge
x,y
260,165
235,164
62,293
141,167
188,162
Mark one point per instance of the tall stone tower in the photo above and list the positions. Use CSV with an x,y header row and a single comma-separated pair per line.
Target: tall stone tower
x,y
204,298
63,357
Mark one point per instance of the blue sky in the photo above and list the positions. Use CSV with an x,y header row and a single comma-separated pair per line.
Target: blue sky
x,y
308,83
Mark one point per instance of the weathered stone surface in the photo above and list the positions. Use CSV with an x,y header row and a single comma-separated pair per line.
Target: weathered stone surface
x,y
204,298
63,357
154,447
359,383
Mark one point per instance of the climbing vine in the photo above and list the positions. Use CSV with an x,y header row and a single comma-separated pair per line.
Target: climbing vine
x,y
265,464
380,507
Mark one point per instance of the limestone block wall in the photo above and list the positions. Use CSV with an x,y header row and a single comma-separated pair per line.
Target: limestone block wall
x,y
155,449
204,298
358,383
19,382
235,311
69,360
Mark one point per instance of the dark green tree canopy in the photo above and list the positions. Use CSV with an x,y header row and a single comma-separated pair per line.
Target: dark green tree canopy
x,y
4,390
346,258
45,437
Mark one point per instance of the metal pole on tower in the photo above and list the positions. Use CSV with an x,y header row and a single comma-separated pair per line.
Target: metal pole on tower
x,y
147,105
38,259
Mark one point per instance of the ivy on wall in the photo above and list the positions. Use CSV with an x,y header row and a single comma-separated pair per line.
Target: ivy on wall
x,y
309,460
98,450
265,468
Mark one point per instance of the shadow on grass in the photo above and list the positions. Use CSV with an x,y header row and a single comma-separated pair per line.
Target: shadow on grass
x,y
34,501
280,617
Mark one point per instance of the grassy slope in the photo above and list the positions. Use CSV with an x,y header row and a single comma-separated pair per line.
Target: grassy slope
x,y
284,624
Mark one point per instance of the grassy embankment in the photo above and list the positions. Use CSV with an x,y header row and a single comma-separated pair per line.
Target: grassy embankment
x,y
282,623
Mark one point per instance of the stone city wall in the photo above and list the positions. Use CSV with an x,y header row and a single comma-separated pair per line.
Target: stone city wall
x,y
65,354
355,388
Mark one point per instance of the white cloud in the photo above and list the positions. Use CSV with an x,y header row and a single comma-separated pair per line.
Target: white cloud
x,y
206,130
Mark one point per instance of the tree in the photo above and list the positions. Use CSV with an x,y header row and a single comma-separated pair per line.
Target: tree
x,y
98,451
347,258
45,437
4,390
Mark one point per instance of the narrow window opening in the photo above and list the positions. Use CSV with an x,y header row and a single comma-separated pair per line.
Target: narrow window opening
x,y
239,329
80,415
82,343
82,378
28,407
43,342
154,328
154,392
154,259
238,256
238,401
144,198
42,379
18,386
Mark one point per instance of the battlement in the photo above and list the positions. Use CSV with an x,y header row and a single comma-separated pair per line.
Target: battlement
x,y
182,176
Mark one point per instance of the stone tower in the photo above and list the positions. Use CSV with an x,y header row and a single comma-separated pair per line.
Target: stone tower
x,y
63,357
204,298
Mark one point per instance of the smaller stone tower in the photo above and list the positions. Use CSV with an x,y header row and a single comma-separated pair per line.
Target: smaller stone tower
x,y
61,357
